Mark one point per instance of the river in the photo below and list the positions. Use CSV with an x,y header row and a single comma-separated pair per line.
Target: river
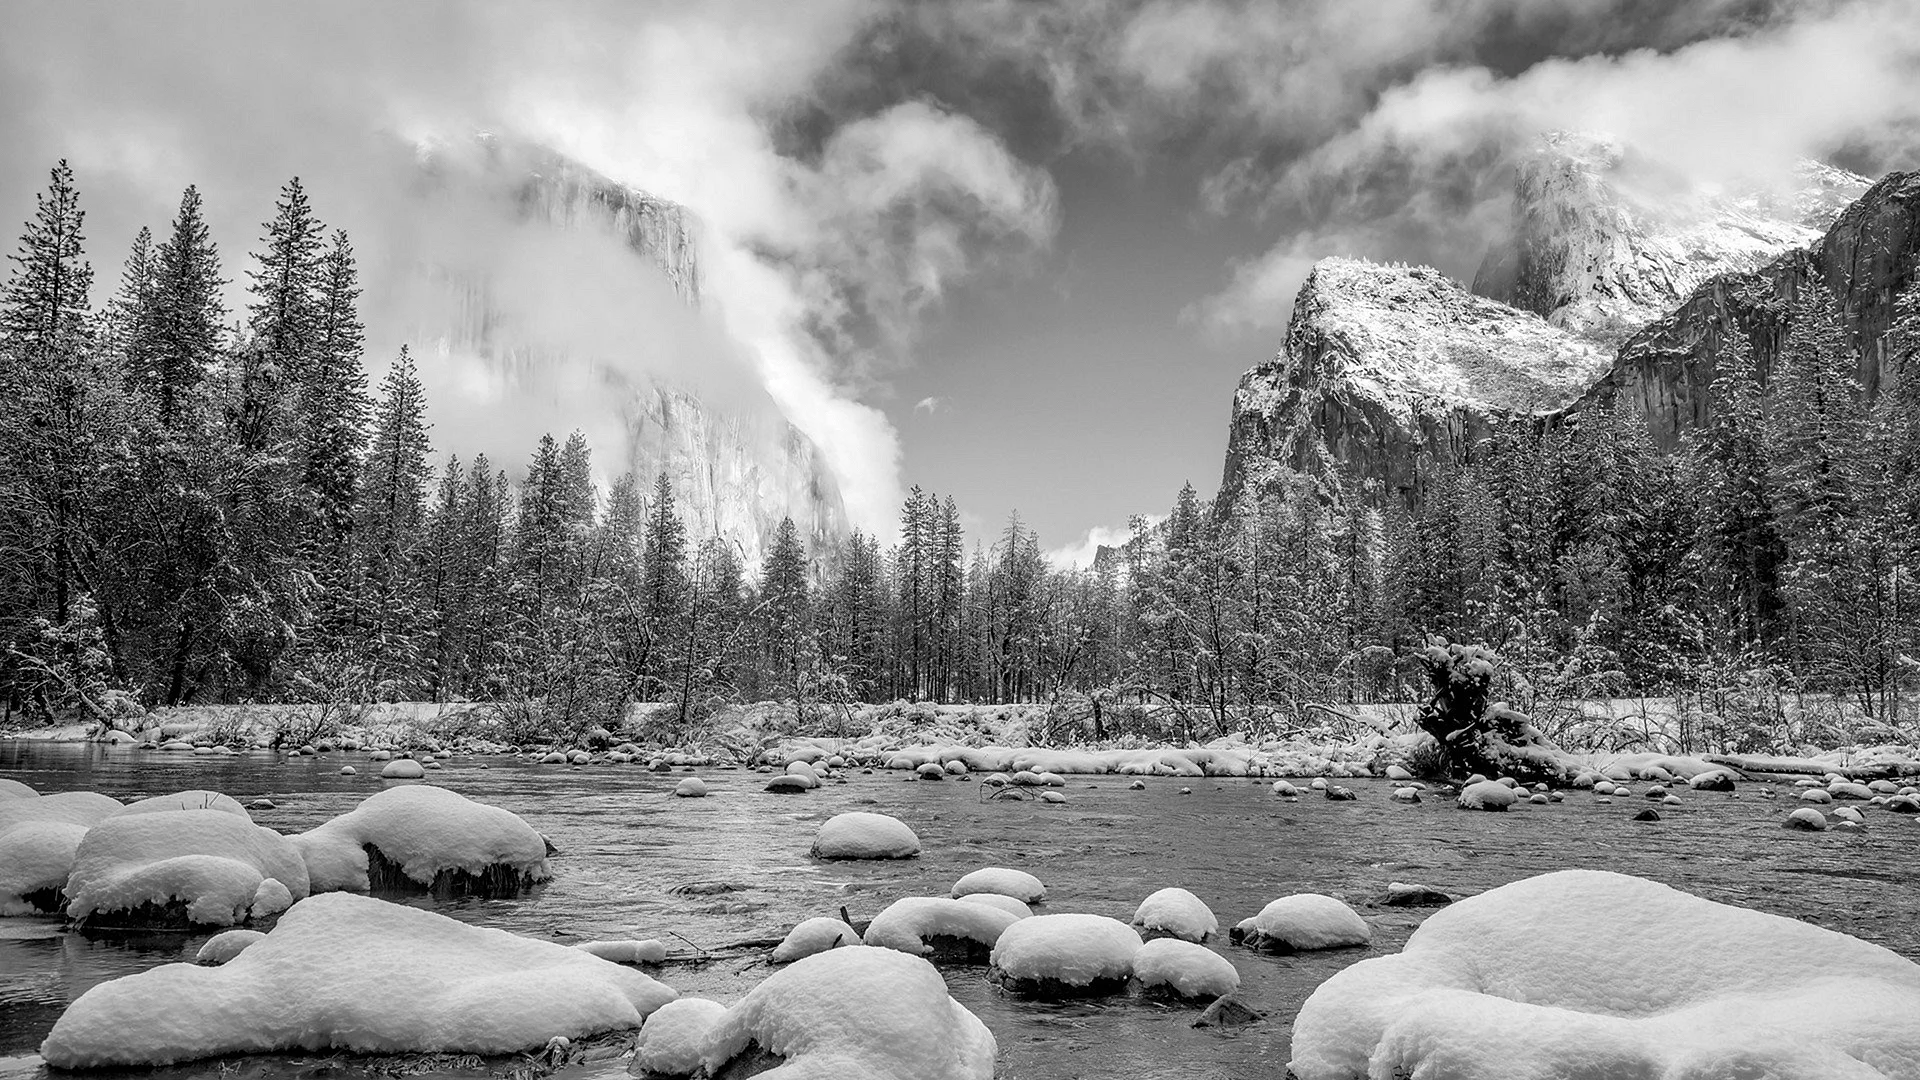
x,y
625,844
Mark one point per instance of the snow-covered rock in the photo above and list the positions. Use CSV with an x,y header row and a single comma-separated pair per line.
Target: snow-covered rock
x,y
226,945
206,867
1487,795
402,769
1018,884
1526,980
186,800
1807,818
628,951
350,972
1175,912
814,935
71,807
691,787
1053,955
1304,921
672,1037
35,859
1186,968
429,837
1017,908
857,1013
858,834
928,924
14,789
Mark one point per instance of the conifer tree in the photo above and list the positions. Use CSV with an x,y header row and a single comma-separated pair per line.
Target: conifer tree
x,y
334,407
187,314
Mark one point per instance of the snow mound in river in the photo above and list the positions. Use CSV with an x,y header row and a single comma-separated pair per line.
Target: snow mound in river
x,y
221,867
1526,980
856,1013
354,973
424,831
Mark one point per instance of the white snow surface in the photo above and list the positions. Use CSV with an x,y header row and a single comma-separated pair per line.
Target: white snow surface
x,y
186,800
350,972
814,935
425,829
1312,921
71,807
14,789
1526,980
35,855
856,1013
858,834
1017,908
1192,970
627,951
671,1039
213,860
908,922
226,945
1074,949
1177,912
1018,884
1487,795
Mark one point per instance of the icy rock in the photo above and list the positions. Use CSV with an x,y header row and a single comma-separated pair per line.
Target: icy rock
x,y
554,758
1283,788
1486,795
996,780
1336,793
1716,780
1670,800
671,1038
226,945
931,771
1405,894
426,837
402,769
14,789
348,770
1052,797
805,772
861,835
1187,969
956,768
200,867
579,757
1004,903
1227,1011
1807,818
812,936
345,972
951,929
1319,784
36,858
691,787
1061,955
1406,794
1525,980
186,800
1395,772
1847,790
1302,922
1647,815
1137,785
789,785
1018,884
1848,813
1816,795
643,951
856,1013
1175,913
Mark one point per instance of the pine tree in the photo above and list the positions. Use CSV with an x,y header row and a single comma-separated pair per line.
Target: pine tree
x,y
126,329
664,586
391,515
186,336
1739,533
785,608
334,408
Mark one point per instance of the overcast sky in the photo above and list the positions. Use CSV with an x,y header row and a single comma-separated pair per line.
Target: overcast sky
x,y
1011,250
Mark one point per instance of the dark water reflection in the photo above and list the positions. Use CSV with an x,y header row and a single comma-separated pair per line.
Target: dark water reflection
x,y
625,842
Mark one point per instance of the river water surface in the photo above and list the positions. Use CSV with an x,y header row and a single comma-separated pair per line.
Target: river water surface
x,y
626,844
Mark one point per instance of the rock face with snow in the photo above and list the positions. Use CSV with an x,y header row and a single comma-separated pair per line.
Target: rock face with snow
x,y
353,973
737,465
1528,980
1387,369
1606,241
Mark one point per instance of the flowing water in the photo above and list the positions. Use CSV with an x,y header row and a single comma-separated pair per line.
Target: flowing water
x,y
625,844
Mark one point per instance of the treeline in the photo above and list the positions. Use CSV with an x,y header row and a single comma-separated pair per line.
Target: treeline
x,y
203,507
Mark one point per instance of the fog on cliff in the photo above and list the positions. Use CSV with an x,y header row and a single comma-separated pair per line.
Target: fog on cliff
x,y
852,161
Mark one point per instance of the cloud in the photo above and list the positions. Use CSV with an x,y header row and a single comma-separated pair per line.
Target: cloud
x,y
930,405
1081,553
820,262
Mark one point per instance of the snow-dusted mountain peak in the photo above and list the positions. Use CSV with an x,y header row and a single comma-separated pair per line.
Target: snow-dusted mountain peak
x,y
1606,240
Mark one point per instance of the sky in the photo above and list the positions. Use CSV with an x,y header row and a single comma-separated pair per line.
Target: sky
x,y
1014,251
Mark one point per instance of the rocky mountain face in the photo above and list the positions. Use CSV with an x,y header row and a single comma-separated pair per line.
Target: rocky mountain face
x,y
1604,242
1619,283
736,464
1869,256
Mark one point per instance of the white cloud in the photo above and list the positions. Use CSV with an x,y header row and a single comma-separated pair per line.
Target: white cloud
x,y
1081,553
930,405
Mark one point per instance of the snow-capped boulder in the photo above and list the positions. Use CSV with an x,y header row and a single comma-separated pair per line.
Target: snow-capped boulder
x,y
791,785
1807,818
226,945
691,787
1018,884
424,837
1820,796
627,951
672,1037
402,769
1185,968
861,835
855,1012
182,867
1175,913
939,926
1395,772
186,800
84,808
345,972
36,858
812,936
1526,980
1301,922
1487,795
804,771
1064,955
14,789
